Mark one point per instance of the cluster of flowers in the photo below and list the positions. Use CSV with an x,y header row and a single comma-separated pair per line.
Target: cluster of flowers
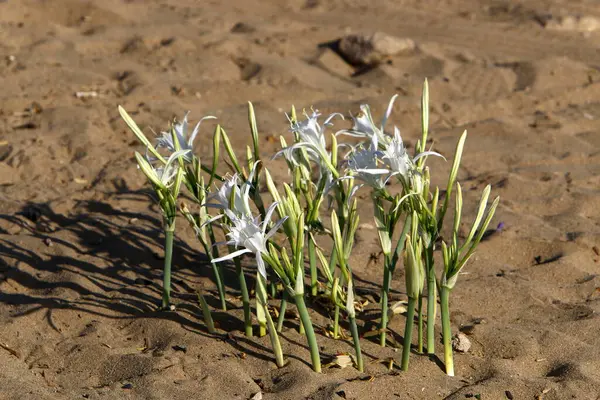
x,y
323,182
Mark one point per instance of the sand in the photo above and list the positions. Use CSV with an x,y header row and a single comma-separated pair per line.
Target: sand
x,y
80,245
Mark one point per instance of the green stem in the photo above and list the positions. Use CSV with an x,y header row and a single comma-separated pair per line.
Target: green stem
x,y
261,309
245,297
312,258
219,282
336,322
282,308
410,316
336,314
301,329
206,313
447,330
431,302
332,261
420,325
262,301
385,290
356,340
166,299
217,269
310,333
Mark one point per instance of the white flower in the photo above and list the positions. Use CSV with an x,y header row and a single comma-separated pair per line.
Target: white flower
x,y
365,127
365,165
181,133
311,137
398,161
395,157
246,231
162,177
233,196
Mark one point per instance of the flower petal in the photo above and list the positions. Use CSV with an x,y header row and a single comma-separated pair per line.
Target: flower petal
x,y
211,220
427,153
328,120
372,171
268,215
230,255
275,228
261,265
197,128
388,111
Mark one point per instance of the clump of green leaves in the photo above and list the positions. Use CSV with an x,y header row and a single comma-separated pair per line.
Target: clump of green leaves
x,y
408,212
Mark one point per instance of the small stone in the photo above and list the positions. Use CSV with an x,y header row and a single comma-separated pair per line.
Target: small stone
x,y
7,173
127,386
461,343
389,45
467,329
48,242
373,49
333,63
367,226
248,69
180,347
242,27
585,23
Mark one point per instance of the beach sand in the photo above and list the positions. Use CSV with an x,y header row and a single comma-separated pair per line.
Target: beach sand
x,y
80,239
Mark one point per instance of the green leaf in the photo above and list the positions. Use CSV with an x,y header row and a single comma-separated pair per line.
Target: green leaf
x,y
382,229
350,300
299,249
254,131
287,264
140,135
261,300
458,209
424,117
324,264
445,257
272,189
335,290
434,202
401,241
482,205
485,225
337,239
412,270
452,177
231,154
299,287
149,171
216,154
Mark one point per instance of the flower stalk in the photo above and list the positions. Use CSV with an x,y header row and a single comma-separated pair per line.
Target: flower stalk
x,y
166,298
309,331
455,257
262,302
415,276
446,330
206,314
